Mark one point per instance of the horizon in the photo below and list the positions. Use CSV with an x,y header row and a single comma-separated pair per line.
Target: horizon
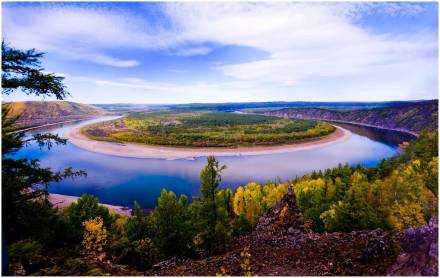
x,y
170,53
238,102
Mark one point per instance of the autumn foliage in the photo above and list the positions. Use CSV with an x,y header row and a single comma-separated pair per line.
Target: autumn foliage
x,y
396,196
95,235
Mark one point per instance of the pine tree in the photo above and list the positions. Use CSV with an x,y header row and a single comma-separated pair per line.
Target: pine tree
x,y
24,181
210,178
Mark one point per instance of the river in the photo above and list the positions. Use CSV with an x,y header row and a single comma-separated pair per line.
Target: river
x,y
121,181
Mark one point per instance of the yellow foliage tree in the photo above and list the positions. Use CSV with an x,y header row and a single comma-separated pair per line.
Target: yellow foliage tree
x,y
432,175
406,214
273,193
95,234
238,201
253,197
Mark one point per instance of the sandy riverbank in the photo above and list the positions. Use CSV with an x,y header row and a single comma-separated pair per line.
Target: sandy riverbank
x,y
63,201
145,151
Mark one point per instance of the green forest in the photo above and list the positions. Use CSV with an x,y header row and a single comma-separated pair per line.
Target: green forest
x,y
207,129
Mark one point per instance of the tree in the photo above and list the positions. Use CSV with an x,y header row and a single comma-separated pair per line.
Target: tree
x,y
24,181
273,194
238,202
253,199
172,231
22,70
311,199
95,234
138,226
224,199
85,208
210,178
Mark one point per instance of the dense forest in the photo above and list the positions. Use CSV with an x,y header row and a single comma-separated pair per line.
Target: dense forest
x,y
412,117
207,129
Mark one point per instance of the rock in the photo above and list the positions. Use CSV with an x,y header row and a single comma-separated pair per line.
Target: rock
x,y
283,243
283,216
420,252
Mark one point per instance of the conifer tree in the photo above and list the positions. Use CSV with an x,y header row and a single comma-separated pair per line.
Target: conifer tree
x,y
24,181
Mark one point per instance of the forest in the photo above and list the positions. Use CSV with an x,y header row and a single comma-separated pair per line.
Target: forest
x,y
207,129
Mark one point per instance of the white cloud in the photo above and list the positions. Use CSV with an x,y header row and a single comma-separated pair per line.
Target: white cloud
x,y
304,41
144,91
75,33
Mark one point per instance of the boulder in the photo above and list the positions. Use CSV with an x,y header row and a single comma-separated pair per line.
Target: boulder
x,y
419,255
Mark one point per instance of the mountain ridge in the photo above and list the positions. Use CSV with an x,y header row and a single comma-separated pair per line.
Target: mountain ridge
x,y
412,118
36,113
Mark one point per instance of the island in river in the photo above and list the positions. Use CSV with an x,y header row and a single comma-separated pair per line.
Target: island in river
x,y
170,135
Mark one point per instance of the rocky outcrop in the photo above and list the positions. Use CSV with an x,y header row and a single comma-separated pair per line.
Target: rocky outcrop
x,y
284,217
420,252
283,243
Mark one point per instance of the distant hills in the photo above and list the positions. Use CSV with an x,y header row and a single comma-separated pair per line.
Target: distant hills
x,y
35,113
234,106
411,117
229,107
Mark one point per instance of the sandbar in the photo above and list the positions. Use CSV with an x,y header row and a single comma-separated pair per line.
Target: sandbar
x,y
63,201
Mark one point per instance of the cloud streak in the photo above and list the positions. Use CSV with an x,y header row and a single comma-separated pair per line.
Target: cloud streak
x,y
305,42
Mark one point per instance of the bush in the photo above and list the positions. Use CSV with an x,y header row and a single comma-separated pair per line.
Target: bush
x,y
95,235
85,208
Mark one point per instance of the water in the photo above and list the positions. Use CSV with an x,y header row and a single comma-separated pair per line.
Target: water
x,y
121,181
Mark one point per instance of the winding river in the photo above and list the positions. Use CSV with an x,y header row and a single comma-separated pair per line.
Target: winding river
x,y
120,181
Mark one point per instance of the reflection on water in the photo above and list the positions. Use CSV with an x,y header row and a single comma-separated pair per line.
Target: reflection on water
x,y
121,181
377,134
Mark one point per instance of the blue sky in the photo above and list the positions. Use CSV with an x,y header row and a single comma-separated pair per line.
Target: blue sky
x,y
170,52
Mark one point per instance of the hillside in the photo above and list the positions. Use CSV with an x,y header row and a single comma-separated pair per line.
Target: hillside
x,y
35,113
284,243
412,117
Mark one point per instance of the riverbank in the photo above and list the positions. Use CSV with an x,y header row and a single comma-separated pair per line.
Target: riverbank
x,y
146,151
27,129
63,201
374,126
